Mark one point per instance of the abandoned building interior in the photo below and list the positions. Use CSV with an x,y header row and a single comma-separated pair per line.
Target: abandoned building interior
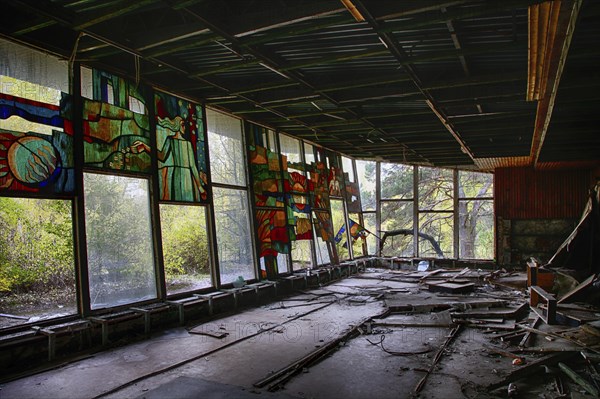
x,y
299,199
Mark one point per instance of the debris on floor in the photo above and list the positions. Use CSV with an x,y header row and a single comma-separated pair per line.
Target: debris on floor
x,y
437,332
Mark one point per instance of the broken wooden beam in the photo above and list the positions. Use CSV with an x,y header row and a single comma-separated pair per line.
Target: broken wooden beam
x,y
437,358
530,369
578,379
527,337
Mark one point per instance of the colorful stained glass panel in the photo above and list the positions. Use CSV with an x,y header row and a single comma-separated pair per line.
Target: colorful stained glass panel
x,y
182,169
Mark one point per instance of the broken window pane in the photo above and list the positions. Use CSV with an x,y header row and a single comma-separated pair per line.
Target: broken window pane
x,y
185,248
37,267
436,234
119,240
476,229
396,181
234,239
397,221
435,189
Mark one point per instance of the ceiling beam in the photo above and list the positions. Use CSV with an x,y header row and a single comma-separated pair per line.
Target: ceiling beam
x,y
569,10
396,49
271,64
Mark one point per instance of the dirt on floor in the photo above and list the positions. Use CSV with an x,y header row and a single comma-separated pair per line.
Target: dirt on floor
x,y
384,334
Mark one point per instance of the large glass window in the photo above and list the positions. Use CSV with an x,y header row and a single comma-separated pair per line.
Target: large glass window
x,y
369,223
230,197
185,248
396,207
119,240
436,212
339,225
366,171
397,228
234,237
475,215
298,201
396,181
436,234
436,189
37,274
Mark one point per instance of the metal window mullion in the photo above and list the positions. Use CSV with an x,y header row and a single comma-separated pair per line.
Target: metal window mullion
x,y
211,228
286,201
159,266
249,201
78,205
456,215
416,211
378,206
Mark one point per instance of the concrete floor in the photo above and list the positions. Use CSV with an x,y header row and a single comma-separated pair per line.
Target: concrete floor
x,y
263,340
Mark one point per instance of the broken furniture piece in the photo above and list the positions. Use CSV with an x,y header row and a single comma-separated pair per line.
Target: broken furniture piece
x,y
539,276
537,293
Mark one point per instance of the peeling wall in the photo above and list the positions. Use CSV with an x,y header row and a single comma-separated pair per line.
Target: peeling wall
x,y
536,211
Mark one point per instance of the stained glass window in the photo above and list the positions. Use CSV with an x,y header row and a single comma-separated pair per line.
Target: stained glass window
x,y
116,136
36,139
182,167
185,247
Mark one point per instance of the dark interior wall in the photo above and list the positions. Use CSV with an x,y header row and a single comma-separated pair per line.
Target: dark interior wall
x,y
536,210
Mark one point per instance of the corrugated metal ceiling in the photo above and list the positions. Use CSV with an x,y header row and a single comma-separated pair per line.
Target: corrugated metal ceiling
x,y
431,82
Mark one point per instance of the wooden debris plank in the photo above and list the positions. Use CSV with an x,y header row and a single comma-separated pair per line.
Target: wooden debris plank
x,y
451,287
572,295
527,337
431,273
531,368
578,379
506,313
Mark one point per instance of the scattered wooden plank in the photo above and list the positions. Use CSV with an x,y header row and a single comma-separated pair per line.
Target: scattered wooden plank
x,y
502,352
12,316
579,380
505,326
431,273
439,319
437,358
574,293
462,273
527,337
451,287
530,369
506,313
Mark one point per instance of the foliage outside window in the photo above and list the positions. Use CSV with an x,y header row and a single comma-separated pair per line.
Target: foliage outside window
x,y
366,182
234,243
396,181
436,234
476,215
231,203
185,248
119,240
340,228
440,216
436,189
37,274
226,149
369,223
436,215
397,218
